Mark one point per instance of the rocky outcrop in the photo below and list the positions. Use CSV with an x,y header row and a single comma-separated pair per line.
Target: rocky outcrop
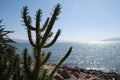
x,y
69,73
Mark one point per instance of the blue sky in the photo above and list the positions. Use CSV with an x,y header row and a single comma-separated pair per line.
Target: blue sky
x,y
80,20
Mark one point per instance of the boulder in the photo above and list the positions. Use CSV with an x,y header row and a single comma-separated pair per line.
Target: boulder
x,y
58,77
76,75
65,74
59,71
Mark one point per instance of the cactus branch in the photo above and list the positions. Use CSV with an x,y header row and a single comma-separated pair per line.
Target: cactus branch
x,y
30,38
38,33
27,18
61,61
50,35
27,70
38,18
54,40
46,58
51,23
45,25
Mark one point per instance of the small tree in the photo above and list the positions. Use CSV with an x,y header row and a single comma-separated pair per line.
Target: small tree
x,y
43,33
5,47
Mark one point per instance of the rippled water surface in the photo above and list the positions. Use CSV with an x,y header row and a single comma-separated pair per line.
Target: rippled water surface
x,y
101,55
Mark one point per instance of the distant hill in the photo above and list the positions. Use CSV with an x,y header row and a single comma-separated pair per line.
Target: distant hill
x,y
27,41
20,41
112,39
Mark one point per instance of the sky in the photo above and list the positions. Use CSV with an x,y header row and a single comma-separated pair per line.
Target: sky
x,y
80,20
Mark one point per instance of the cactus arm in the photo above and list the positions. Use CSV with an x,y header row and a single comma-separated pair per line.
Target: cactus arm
x,y
26,64
51,23
38,33
30,38
27,18
54,40
51,33
28,23
61,61
38,18
46,58
45,25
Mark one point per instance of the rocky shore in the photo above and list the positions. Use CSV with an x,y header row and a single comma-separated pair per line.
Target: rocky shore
x,y
69,73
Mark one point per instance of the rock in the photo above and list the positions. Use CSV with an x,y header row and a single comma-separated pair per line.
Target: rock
x,y
58,77
96,79
65,74
88,76
70,72
73,70
59,71
73,78
76,75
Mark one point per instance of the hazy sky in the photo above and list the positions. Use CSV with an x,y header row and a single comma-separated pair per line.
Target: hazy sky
x,y
80,20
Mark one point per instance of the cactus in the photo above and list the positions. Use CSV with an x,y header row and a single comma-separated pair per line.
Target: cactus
x,y
43,33
27,61
60,62
10,68
15,67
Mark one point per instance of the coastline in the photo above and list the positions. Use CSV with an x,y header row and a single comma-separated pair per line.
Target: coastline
x,y
75,73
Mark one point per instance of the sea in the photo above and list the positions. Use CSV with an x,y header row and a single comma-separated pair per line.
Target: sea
x,y
98,55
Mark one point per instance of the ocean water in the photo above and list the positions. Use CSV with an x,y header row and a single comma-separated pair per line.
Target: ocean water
x,y
100,55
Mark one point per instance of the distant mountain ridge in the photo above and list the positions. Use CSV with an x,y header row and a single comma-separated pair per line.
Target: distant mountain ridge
x,y
27,41
112,39
20,41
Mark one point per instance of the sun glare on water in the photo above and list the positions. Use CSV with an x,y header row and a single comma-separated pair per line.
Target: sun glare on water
x,y
101,42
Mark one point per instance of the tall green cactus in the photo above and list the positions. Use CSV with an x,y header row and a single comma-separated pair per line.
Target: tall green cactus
x,y
27,61
10,68
43,33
